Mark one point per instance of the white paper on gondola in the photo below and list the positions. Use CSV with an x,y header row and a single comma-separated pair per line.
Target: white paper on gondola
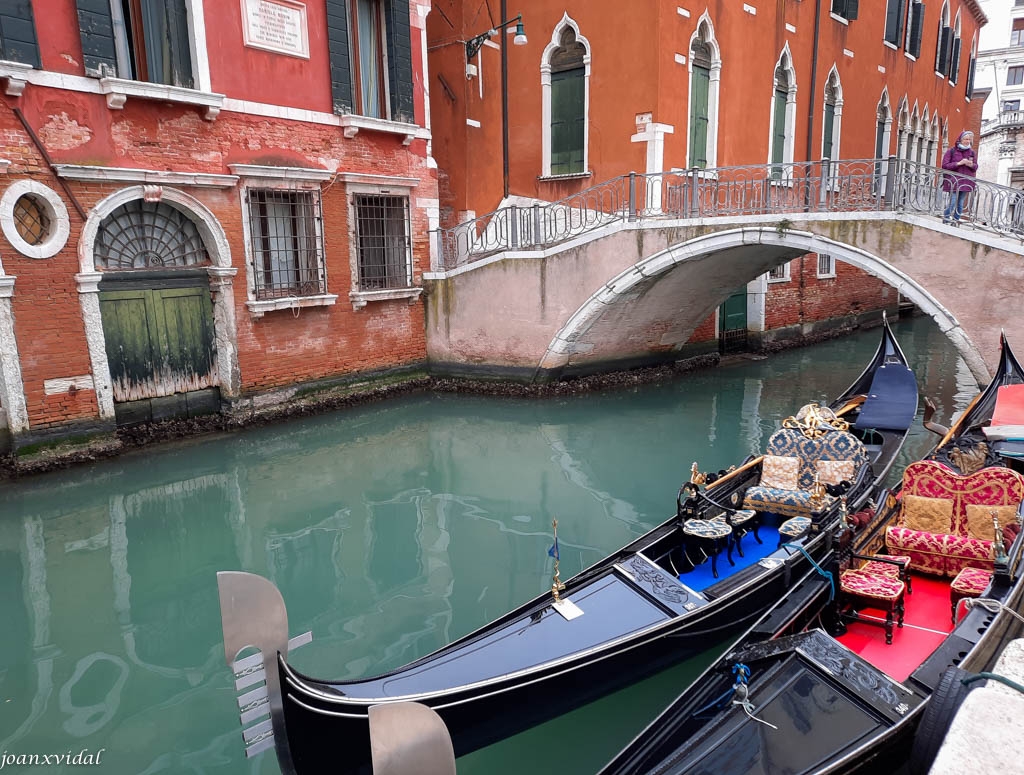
x,y
568,609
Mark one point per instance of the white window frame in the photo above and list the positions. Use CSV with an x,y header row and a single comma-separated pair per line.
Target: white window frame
x,y
53,206
837,117
713,90
784,278
196,41
289,179
789,131
831,266
545,87
359,185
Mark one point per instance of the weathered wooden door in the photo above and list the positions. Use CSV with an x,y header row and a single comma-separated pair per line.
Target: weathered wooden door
x,y
732,322
160,341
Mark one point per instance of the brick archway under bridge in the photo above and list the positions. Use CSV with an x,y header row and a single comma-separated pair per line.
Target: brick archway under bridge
x,y
634,292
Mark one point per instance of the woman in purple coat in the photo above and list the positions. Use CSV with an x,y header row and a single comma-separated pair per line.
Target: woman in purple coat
x,y
961,159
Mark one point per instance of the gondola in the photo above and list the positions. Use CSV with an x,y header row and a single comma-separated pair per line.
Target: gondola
x,y
835,697
655,602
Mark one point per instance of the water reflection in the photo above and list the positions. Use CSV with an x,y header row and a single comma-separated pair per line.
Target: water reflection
x,y
390,530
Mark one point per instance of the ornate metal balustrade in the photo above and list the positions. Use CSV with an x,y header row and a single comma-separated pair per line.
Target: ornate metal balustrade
x,y
857,185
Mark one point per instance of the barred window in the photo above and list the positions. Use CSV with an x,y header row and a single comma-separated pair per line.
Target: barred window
x,y
779,273
287,246
826,265
383,244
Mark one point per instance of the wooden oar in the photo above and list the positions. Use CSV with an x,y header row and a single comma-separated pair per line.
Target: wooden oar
x,y
956,426
745,467
852,404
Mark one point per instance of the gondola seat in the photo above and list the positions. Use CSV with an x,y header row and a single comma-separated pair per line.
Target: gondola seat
x,y
970,582
793,463
945,520
861,588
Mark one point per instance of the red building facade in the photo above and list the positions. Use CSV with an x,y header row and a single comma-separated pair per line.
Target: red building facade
x,y
207,206
601,89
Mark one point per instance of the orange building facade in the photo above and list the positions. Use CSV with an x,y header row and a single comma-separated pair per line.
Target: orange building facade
x,y
601,89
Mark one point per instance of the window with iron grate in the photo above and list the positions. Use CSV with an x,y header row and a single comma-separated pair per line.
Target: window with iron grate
x,y
287,243
383,243
779,274
826,265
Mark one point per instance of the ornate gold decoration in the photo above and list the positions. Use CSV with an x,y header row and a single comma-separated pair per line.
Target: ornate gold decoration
x,y
814,421
998,548
843,514
817,493
696,476
556,583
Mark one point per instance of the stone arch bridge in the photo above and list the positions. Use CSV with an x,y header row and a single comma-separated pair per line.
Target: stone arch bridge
x,y
611,280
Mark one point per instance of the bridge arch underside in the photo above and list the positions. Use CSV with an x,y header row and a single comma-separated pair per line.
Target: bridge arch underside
x,y
649,312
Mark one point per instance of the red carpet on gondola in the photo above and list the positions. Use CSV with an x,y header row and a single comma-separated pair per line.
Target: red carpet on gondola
x,y
925,625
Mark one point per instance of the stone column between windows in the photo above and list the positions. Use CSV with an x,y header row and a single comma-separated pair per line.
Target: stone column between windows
x,y
89,295
221,291
654,136
11,385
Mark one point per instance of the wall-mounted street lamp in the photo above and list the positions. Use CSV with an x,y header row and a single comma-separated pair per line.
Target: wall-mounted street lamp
x,y
473,45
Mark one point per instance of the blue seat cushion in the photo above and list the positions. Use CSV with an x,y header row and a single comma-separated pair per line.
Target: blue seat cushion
x,y
788,503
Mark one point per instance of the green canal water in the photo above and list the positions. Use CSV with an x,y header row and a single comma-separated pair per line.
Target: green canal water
x,y
390,529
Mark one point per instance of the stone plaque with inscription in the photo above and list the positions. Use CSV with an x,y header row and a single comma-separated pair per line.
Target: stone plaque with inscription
x,y
276,25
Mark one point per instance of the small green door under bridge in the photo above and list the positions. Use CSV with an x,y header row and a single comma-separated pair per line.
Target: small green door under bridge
x,y
732,323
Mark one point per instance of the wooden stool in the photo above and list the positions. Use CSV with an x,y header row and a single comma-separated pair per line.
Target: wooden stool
x,y
888,569
877,590
793,528
710,536
970,582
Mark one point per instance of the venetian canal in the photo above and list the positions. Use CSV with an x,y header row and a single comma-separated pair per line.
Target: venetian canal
x,y
390,529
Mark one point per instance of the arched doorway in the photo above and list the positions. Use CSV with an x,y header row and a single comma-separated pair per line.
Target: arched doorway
x,y
157,312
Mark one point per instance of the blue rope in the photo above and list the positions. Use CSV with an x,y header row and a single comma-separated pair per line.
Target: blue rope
x,y
822,571
741,673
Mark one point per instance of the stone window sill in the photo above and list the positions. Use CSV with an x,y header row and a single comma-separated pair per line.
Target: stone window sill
x,y
360,299
351,125
259,308
16,75
568,176
118,90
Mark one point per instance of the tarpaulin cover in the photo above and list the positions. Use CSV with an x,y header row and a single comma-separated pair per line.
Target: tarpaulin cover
x,y
892,400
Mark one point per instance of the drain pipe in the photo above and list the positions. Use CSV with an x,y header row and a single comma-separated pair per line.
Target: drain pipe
x,y
814,91
49,162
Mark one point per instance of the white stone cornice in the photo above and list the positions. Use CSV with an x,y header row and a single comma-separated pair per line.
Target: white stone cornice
x,y
369,179
16,75
88,282
156,177
118,90
6,286
280,173
222,271
351,125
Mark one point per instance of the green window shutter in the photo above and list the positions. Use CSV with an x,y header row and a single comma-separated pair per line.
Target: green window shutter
x,y
97,31
399,43
18,33
970,80
954,62
567,121
700,84
829,124
168,58
942,61
916,28
779,130
338,52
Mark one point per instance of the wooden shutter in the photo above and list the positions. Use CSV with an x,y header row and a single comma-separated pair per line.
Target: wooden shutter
x,y
852,10
945,39
916,28
779,128
827,130
18,33
954,61
970,79
894,21
97,31
700,84
396,27
567,121
168,55
339,53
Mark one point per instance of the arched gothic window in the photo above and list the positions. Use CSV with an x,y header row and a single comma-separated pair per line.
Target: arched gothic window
x,y
783,115
705,75
565,77
833,118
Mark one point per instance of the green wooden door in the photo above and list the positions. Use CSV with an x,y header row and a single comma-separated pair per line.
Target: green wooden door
x,y
159,341
568,97
733,315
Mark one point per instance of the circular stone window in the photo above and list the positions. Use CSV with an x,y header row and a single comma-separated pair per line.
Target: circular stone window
x,y
34,219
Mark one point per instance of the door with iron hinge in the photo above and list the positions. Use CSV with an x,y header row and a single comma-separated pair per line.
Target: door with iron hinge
x,y
732,322
160,341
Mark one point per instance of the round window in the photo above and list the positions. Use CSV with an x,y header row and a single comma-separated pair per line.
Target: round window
x,y
31,220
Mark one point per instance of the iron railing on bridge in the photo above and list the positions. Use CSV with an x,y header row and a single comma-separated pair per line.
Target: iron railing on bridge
x,y
858,185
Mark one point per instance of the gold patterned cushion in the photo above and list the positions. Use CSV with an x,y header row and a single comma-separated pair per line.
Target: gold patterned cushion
x,y
835,471
931,515
979,520
780,472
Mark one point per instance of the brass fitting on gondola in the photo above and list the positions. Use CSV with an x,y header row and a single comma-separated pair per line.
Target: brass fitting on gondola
x,y
696,476
556,583
817,493
844,515
998,547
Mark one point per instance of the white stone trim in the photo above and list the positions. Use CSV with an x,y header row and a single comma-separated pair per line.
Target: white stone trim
x,y
216,242
250,171
715,78
358,296
302,53
351,124
789,133
654,136
12,388
64,384
16,74
545,88
259,308
60,227
837,118
118,90
370,179
89,172
786,277
360,299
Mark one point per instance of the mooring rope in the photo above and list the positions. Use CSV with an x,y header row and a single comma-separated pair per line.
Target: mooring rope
x,y
822,571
